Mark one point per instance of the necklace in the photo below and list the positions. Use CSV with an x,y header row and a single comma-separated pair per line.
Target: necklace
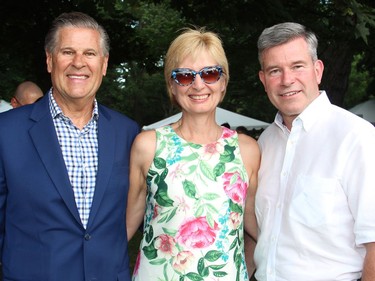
x,y
199,151
182,135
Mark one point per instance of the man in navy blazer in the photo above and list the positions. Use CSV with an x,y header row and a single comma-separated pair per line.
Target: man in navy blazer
x,y
64,164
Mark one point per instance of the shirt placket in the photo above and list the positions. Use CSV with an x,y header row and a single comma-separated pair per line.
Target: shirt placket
x,y
280,205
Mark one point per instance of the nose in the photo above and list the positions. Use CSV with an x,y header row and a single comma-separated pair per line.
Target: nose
x,y
198,83
78,60
287,77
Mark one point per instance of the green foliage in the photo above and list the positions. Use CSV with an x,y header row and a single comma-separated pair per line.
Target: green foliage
x,y
359,81
141,32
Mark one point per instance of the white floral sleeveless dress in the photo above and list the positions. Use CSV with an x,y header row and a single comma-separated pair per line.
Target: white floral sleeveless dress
x,y
193,225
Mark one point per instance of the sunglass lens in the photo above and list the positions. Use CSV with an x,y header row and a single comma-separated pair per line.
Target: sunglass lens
x,y
184,78
210,75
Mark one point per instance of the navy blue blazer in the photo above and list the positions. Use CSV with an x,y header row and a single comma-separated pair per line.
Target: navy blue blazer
x,y
41,234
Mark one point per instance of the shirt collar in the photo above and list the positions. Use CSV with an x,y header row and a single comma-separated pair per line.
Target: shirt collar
x,y
56,110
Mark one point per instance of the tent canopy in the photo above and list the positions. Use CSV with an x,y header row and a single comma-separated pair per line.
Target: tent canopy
x,y
222,116
366,110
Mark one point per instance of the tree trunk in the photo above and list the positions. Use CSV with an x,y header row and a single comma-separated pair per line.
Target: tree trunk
x,y
337,61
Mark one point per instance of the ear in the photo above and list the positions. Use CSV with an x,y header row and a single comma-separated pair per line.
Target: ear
x,y
105,65
13,102
319,68
223,86
170,85
49,62
262,79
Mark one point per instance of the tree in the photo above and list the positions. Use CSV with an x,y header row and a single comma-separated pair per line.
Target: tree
x,y
141,31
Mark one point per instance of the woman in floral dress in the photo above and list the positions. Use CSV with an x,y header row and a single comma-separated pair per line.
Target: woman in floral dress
x,y
192,183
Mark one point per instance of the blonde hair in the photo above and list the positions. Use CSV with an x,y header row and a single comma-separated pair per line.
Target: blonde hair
x,y
191,42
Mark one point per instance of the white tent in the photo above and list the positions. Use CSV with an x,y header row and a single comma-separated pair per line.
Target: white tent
x,y
366,110
5,106
222,116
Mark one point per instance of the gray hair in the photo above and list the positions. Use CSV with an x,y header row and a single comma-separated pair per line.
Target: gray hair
x,y
78,20
284,32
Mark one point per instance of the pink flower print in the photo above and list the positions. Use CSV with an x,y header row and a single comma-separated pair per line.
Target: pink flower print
x,y
182,261
197,233
235,187
234,220
166,245
137,262
227,133
182,205
156,211
212,150
179,172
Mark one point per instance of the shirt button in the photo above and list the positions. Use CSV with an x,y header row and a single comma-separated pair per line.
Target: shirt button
x,y
87,237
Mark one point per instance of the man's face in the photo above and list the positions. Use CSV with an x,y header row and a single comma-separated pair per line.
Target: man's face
x,y
290,77
77,64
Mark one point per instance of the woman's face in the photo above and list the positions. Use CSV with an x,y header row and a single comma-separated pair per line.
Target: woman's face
x,y
199,96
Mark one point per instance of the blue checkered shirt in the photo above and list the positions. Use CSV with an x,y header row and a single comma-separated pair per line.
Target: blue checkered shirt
x,y
80,152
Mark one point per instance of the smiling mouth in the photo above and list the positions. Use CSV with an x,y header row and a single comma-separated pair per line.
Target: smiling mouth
x,y
81,77
289,94
199,97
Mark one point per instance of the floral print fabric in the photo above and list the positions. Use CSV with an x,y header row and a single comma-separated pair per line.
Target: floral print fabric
x,y
193,225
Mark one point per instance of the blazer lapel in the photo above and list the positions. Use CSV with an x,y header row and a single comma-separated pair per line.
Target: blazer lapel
x,y
106,153
45,140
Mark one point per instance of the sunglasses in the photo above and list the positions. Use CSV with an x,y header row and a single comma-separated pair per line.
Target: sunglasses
x,y
186,76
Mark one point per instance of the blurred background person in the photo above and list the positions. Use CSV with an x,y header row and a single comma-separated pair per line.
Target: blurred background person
x,y
26,93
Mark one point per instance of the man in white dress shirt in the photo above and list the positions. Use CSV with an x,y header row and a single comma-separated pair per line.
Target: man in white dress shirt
x,y
315,202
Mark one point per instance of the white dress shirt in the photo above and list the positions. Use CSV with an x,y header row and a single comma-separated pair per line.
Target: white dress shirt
x,y
315,202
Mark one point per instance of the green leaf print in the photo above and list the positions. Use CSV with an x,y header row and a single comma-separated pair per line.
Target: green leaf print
x,y
205,272
165,272
170,232
171,215
211,208
213,255
219,169
189,188
228,155
207,170
217,267
233,232
200,266
234,244
210,220
210,196
150,251
195,145
163,175
160,163
158,261
220,273
234,207
149,234
199,212
151,174
194,276
191,157
238,260
161,195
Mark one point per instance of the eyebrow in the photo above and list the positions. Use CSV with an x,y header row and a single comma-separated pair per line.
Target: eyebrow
x,y
276,66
